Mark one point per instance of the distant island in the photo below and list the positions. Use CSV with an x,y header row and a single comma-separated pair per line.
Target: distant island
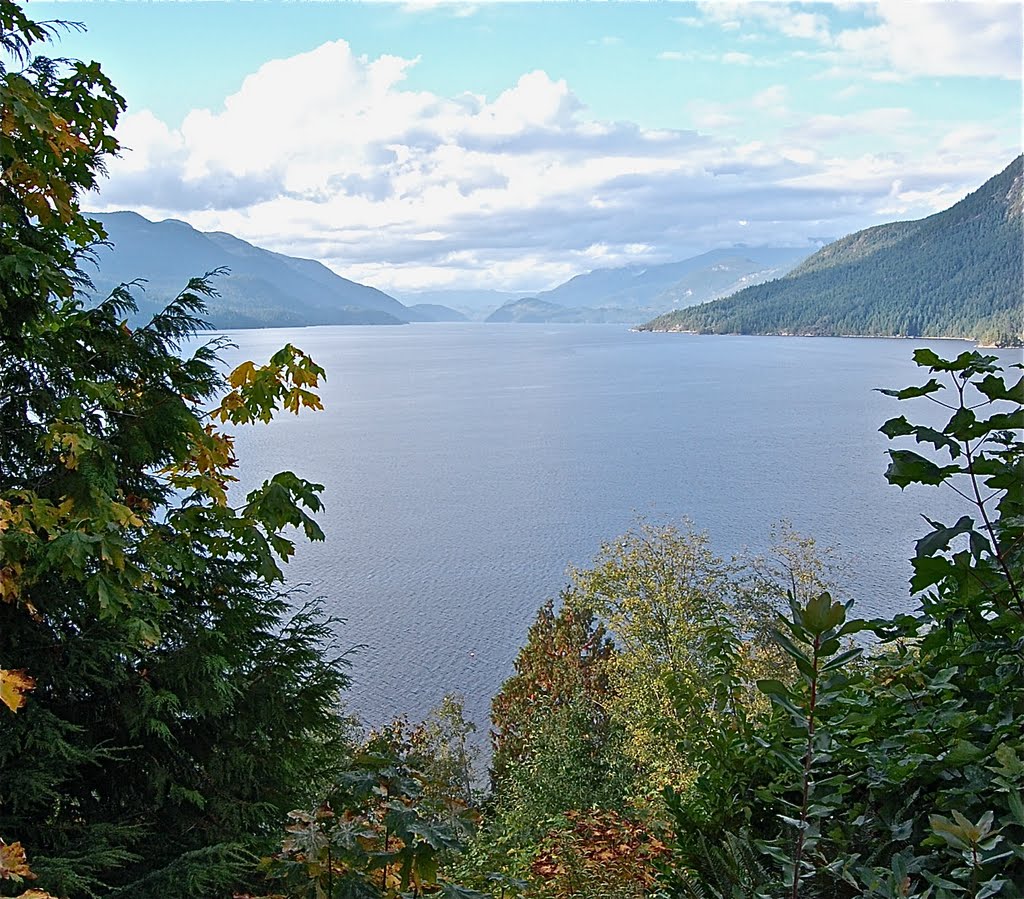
x,y
956,274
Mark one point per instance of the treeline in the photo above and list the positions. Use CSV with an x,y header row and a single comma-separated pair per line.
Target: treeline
x,y
171,720
955,274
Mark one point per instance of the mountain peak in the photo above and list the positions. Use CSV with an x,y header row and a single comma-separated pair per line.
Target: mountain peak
x,y
262,289
957,273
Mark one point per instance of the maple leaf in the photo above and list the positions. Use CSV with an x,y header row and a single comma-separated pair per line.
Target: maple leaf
x,y
13,686
13,864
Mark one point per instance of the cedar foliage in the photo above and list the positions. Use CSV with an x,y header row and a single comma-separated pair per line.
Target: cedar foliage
x,y
181,705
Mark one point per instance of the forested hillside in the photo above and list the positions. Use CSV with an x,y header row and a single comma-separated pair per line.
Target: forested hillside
x,y
954,274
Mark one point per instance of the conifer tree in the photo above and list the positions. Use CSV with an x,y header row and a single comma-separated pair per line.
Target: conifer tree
x,y
174,705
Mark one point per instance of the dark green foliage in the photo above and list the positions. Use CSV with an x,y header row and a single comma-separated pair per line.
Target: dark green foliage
x,y
180,706
181,709
954,274
902,774
57,125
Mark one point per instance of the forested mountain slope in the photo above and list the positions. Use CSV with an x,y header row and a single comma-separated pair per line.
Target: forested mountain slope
x,y
954,274
262,288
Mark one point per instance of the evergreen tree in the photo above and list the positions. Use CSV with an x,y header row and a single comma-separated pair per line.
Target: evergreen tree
x,y
173,706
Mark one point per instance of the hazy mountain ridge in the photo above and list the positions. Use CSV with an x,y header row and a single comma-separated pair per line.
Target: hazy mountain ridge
x,y
631,293
267,289
956,273
262,288
636,285
473,304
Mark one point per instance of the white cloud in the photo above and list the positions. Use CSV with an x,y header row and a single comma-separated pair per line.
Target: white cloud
x,y
332,155
737,59
773,97
458,8
954,38
787,19
881,120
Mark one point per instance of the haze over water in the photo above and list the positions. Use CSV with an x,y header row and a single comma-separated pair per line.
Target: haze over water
x,y
467,465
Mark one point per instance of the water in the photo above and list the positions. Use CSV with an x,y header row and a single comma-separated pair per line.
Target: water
x,y
466,465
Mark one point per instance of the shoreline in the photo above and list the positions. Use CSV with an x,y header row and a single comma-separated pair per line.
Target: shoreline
x,y
981,346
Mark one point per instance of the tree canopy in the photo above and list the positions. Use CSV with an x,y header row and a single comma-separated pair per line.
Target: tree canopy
x,y
167,703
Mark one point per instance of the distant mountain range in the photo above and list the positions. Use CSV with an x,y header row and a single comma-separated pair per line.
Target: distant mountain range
x,y
263,289
474,304
631,293
267,289
957,273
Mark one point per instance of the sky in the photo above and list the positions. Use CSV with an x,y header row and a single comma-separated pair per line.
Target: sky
x,y
510,146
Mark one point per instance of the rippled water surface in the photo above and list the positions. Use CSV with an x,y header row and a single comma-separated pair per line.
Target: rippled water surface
x,y
466,465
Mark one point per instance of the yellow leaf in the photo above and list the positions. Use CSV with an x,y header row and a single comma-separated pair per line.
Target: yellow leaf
x,y
13,686
9,586
243,374
13,864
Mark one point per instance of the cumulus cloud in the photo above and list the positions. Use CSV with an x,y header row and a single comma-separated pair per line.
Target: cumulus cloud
x,y
904,39
331,155
951,39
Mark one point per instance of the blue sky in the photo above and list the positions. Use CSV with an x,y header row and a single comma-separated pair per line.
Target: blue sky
x,y
513,145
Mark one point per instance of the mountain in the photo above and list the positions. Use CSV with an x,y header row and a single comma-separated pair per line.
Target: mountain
x,y
957,273
532,310
473,304
432,312
636,286
262,289
627,294
631,293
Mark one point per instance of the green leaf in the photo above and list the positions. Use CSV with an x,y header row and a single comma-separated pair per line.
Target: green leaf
x,y
821,614
1016,804
940,538
938,440
909,393
991,887
926,357
1005,421
980,545
909,468
928,571
897,427
803,661
772,687
963,753
840,660
995,388
963,424
952,834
